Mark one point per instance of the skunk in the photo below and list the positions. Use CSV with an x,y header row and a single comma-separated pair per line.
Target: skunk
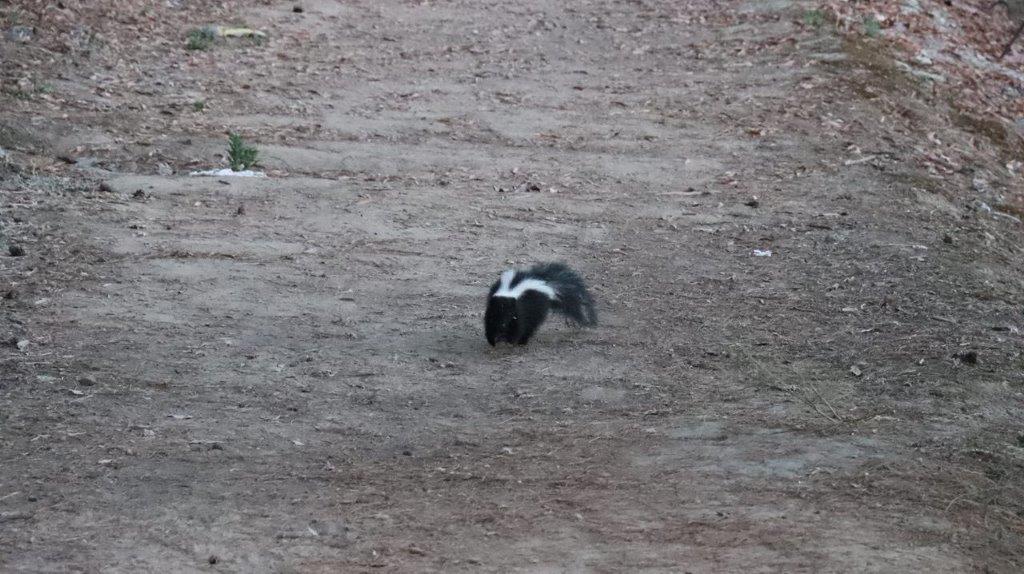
x,y
519,302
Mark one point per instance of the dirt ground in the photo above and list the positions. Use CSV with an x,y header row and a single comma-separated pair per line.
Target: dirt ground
x,y
289,374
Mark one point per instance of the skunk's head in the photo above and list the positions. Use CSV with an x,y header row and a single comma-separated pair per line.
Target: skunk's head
x,y
501,320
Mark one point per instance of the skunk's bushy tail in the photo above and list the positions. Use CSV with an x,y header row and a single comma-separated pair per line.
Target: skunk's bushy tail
x,y
574,301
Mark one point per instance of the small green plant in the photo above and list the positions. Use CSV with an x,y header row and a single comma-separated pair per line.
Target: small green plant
x,y
20,94
44,88
814,18
240,156
200,39
872,27
199,106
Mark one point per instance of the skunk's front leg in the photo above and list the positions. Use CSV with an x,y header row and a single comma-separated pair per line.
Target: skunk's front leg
x,y
491,321
532,308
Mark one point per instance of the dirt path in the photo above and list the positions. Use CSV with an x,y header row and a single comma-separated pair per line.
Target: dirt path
x,y
304,386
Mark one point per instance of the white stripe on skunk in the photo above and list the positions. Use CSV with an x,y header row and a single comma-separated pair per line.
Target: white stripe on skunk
x,y
505,286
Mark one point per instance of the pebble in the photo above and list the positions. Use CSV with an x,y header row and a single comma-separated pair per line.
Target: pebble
x,y
19,34
16,250
87,381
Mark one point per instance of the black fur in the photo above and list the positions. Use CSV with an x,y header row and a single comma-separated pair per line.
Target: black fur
x,y
516,320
